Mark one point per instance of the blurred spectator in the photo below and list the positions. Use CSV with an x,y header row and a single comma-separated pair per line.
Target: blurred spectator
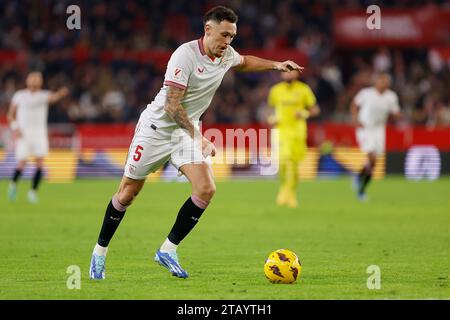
x,y
113,105
117,88
382,61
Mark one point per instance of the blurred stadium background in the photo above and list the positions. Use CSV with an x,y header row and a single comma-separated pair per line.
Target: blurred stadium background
x,y
114,65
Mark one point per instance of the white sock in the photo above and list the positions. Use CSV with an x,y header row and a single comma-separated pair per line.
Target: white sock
x,y
168,246
99,250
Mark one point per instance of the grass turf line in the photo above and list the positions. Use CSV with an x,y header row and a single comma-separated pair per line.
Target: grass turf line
x,y
404,229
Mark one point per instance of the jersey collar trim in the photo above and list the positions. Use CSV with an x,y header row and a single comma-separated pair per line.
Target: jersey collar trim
x,y
200,46
202,49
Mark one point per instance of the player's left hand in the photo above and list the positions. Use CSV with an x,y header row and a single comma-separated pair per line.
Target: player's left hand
x,y
287,66
208,148
303,114
64,91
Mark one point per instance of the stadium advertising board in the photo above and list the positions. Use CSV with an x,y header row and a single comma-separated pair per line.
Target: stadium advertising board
x,y
398,27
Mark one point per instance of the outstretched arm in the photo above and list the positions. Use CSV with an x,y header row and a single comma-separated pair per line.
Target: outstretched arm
x,y
252,63
58,95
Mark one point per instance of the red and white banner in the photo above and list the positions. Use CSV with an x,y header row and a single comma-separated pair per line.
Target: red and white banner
x,y
442,53
428,26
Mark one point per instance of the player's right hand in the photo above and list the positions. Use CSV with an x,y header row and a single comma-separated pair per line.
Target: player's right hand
x,y
287,66
64,91
208,148
272,120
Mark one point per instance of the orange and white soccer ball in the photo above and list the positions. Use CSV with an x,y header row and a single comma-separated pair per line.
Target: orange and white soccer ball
x,y
282,266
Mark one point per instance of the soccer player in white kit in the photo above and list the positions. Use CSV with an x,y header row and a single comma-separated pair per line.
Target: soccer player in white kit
x,y
370,110
27,116
169,130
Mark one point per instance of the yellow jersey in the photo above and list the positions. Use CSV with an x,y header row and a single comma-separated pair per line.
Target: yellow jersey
x,y
288,99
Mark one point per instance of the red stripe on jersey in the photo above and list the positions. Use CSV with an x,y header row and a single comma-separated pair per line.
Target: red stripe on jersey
x,y
174,84
200,46
202,49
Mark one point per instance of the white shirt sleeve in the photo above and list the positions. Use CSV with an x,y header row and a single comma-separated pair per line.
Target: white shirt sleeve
x,y
15,99
179,68
360,96
237,58
45,95
395,107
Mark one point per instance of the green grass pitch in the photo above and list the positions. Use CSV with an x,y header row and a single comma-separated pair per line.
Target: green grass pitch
x,y
404,229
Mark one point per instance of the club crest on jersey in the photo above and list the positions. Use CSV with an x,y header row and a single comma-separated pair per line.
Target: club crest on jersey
x,y
224,63
177,73
132,169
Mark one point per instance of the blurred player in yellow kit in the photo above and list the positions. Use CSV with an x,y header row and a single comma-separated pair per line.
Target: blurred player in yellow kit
x,y
294,102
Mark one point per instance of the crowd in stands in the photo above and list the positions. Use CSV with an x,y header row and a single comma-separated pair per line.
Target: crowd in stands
x,y
117,91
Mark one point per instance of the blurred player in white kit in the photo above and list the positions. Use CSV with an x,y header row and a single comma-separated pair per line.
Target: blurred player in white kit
x,y
370,110
27,117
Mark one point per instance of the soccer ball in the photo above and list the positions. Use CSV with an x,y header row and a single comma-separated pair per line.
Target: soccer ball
x,y
282,266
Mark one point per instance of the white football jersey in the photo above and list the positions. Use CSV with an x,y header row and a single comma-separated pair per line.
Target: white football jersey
x,y
192,69
32,111
375,107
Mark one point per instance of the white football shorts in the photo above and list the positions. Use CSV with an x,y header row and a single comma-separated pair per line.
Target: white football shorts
x,y
371,140
152,147
31,145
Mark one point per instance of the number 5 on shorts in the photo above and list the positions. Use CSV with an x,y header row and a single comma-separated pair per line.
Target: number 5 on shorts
x,y
137,153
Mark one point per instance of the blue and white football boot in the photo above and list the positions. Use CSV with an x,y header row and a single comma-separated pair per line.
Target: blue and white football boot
x,y
32,197
356,183
97,268
362,197
12,192
170,262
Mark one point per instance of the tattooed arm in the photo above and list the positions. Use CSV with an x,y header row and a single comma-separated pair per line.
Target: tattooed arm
x,y
176,111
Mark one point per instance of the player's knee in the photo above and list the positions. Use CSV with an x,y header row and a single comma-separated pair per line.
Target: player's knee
x,y
40,163
124,198
21,164
211,191
126,195
206,191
